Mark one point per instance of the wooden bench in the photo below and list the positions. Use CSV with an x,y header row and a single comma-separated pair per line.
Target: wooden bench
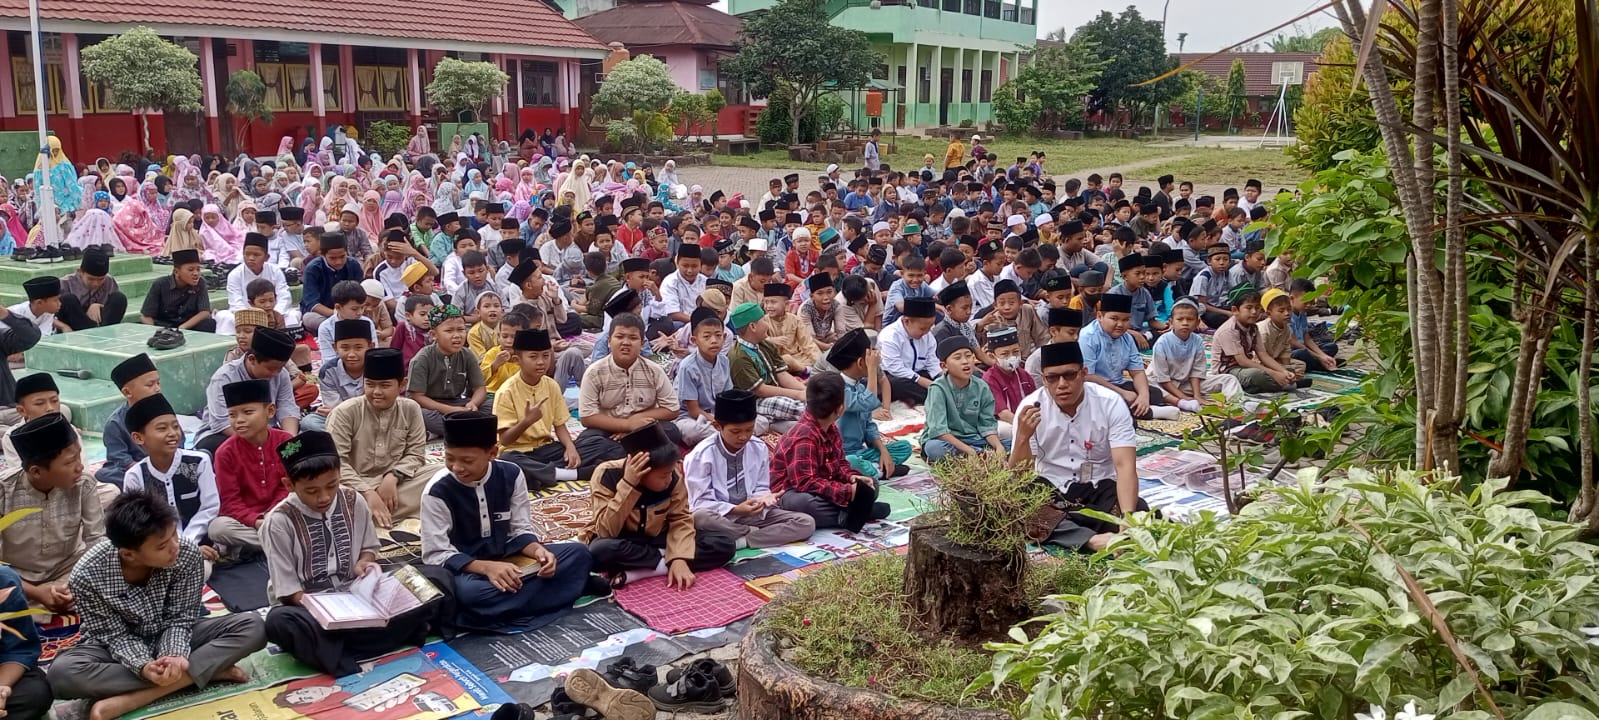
x,y
746,146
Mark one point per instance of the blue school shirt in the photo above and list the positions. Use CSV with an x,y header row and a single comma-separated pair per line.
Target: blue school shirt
x,y
1143,305
900,291
700,381
856,425
1108,357
1299,325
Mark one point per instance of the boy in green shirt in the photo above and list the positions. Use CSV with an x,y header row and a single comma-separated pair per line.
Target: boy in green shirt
x,y
960,412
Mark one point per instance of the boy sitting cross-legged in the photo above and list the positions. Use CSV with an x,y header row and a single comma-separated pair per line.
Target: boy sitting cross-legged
x,y
248,471
445,376
145,633
532,419
320,538
383,441
728,481
868,451
340,381
138,379
642,526
1179,365
178,477
476,520
960,407
811,470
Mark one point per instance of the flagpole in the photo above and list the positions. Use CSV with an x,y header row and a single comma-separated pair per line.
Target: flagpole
x,y
49,229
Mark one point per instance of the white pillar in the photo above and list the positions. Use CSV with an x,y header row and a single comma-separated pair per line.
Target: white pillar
x,y
415,70
71,74
208,76
912,85
935,81
319,98
958,86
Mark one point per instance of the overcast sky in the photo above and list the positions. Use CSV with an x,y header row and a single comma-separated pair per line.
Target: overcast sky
x,y
1210,24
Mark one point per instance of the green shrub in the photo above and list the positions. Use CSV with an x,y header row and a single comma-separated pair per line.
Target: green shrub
x,y
1330,119
386,138
773,128
1301,607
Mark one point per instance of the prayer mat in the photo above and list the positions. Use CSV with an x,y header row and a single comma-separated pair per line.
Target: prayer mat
x,y
772,439
1149,442
267,668
560,516
717,598
902,505
1335,384
242,586
1175,428
57,633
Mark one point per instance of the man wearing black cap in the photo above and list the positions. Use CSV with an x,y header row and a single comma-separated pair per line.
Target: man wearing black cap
x,y
43,547
255,267
1078,437
642,525
44,301
90,297
179,300
382,440
729,487
476,523
267,360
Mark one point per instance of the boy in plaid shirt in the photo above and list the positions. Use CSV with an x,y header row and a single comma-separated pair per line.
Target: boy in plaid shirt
x,y
810,469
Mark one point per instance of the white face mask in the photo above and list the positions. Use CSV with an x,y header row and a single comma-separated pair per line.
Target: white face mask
x,y
1010,363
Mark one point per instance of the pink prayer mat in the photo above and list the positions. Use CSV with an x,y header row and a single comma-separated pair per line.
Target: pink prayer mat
x,y
717,598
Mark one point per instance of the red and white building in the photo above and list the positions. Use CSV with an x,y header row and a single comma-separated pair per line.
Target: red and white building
x,y
368,60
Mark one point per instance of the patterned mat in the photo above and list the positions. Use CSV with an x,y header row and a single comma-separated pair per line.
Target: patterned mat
x,y
560,516
717,598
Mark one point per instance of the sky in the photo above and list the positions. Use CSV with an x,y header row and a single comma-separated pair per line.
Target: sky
x,y
1211,24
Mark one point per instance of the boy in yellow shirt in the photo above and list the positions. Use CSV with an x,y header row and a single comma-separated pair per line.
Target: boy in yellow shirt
x,y
499,363
532,419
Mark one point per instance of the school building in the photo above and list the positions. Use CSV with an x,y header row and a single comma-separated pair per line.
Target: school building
x,y
341,64
943,58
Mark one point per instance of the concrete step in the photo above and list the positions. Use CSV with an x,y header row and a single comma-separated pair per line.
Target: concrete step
x,y
14,273
185,371
91,401
133,285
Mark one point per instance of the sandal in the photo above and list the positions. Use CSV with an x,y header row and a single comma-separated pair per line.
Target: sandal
x,y
590,689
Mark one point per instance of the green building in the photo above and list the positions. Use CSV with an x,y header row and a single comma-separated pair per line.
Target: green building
x,y
944,57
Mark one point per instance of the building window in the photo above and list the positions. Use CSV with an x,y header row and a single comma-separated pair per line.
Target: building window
x,y
903,87
383,88
732,88
952,5
538,84
972,7
986,94
1008,13
966,85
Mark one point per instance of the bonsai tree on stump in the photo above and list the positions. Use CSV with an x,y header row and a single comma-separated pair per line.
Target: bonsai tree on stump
x,y
144,72
965,572
464,87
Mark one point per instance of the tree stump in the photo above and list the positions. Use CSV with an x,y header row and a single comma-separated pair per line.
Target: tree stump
x,y
960,592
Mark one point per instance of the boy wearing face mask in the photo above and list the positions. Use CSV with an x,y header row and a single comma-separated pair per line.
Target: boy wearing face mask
x,y
1006,378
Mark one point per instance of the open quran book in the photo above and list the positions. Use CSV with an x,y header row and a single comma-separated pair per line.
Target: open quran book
x,y
372,600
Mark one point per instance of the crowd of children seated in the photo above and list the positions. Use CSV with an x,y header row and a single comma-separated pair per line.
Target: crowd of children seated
x,y
677,328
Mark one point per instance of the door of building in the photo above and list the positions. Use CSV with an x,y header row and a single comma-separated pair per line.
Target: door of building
x,y
946,91
186,132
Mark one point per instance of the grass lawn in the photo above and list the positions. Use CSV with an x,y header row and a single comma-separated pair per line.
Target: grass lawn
x,y
1203,165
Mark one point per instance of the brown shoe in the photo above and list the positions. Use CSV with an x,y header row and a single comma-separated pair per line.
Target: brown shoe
x,y
589,688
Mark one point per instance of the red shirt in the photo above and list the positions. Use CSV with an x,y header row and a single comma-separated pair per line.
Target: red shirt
x,y
250,478
409,340
1009,387
810,459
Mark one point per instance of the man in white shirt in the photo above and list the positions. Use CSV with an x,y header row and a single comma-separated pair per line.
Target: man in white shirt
x,y
44,301
1078,437
681,291
255,267
909,351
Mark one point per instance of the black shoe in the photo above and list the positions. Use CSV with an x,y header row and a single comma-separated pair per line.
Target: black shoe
x,y
22,254
161,259
514,711
71,253
624,673
167,339
719,672
693,691
562,704
597,586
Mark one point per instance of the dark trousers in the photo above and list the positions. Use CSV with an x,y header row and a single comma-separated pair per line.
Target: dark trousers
x,y
1214,319
1156,397
828,514
1312,364
659,327
339,652
1074,530
572,327
89,671
591,435
642,552
76,316
539,602
540,463
209,443
908,391
30,696
433,420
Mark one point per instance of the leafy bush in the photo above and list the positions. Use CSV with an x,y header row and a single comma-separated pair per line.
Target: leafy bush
x,y
1330,119
386,138
1015,114
772,126
1302,607
464,87
642,83
688,111
621,133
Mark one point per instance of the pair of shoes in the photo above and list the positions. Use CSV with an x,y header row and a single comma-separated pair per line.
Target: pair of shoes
x,y
590,689
46,254
626,674
161,259
703,687
167,339
22,254
71,253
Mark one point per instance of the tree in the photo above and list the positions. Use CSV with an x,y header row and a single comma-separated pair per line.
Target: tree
x,y
1200,90
1312,43
247,101
144,73
714,102
1047,93
1236,101
1331,117
687,111
639,91
464,87
1134,51
793,46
